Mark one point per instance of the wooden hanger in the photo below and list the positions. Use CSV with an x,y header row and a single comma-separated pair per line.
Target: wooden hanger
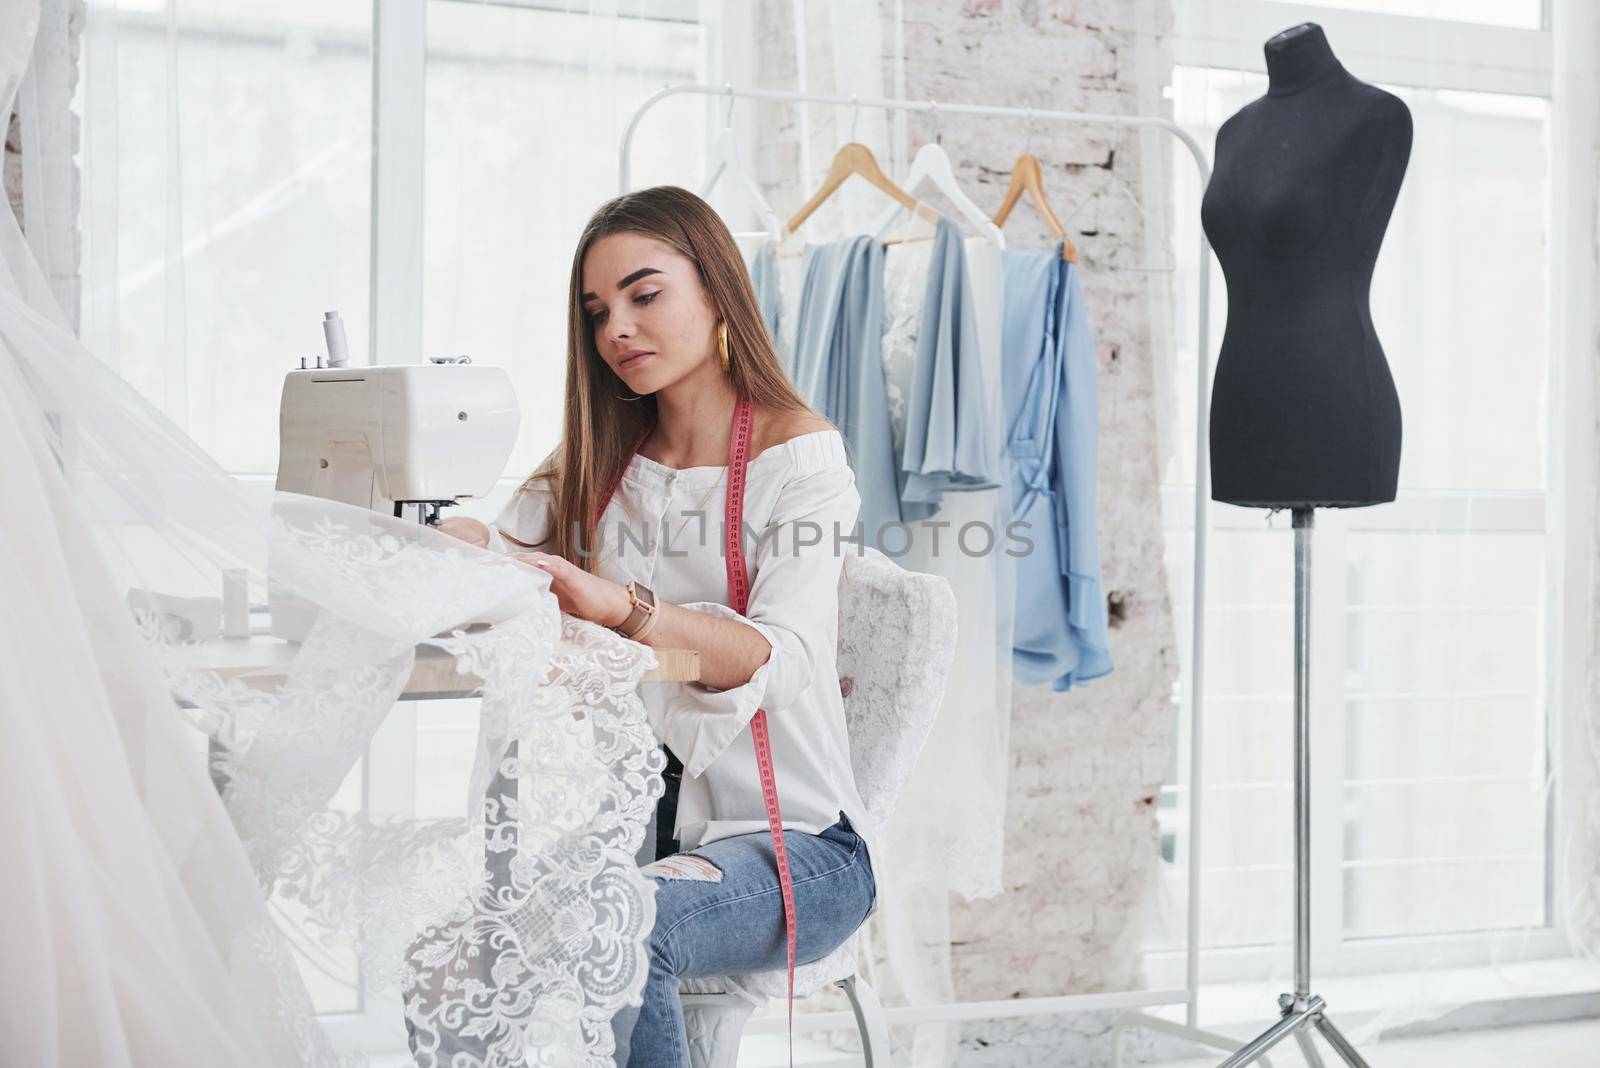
x,y
856,158
1026,177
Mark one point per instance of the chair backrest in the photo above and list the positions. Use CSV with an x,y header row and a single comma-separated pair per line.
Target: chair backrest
x,y
897,638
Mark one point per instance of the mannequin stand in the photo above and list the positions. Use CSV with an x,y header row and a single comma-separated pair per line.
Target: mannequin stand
x,y
1301,1009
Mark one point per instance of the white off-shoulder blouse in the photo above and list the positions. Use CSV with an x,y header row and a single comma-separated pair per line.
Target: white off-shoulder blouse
x,y
664,528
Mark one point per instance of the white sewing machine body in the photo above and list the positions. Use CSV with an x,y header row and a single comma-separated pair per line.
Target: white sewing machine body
x,y
378,437
375,436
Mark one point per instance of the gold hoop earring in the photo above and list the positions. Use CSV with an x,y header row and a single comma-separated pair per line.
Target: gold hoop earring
x,y
630,400
722,346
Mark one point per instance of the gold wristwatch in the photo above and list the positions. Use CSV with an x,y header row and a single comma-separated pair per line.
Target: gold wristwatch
x,y
641,614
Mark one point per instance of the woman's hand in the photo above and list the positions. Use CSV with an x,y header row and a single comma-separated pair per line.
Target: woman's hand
x,y
467,529
581,594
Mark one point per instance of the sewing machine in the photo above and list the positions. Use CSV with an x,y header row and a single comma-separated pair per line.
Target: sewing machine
x,y
426,434
380,437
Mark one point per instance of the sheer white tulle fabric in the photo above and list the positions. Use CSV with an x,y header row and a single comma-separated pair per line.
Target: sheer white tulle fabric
x,y
149,917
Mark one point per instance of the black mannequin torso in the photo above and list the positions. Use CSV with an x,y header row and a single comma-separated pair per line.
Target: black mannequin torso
x,y
1304,411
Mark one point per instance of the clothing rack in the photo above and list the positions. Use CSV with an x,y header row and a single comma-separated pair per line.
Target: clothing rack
x,y
1133,1000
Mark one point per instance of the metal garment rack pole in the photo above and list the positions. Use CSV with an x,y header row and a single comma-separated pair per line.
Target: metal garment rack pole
x,y
1188,995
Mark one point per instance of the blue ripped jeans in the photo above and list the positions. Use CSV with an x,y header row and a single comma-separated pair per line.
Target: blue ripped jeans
x,y
736,925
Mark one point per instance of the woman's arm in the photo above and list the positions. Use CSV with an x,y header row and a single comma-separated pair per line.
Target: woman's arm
x,y
521,524
467,529
730,651
764,658
792,615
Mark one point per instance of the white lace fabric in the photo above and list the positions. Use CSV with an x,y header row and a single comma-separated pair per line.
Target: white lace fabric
x,y
905,277
507,935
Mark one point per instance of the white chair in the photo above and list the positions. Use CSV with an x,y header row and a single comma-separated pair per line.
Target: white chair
x,y
897,636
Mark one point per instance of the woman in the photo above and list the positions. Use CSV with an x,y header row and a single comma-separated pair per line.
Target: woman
x,y
664,345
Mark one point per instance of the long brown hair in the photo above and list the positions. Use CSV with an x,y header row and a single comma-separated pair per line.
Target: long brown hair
x,y
599,427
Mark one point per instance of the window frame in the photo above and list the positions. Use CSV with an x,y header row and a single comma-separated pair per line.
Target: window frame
x,y
1436,54
399,98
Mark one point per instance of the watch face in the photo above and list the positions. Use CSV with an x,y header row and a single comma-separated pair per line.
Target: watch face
x,y
645,594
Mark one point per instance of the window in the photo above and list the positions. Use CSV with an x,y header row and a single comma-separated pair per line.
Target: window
x,y
253,168
1432,788
1444,734
523,109
227,205
521,147
1521,14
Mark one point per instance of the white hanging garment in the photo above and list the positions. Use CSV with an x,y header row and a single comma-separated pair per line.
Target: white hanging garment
x,y
138,900
959,834
945,841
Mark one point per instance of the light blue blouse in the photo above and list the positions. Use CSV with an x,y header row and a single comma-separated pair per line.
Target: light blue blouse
x,y
1052,410
947,443
837,364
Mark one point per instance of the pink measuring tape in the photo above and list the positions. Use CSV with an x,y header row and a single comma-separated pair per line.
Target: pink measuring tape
x,y
739,601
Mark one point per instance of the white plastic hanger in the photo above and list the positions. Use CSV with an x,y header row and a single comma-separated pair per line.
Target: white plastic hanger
x,y
723,157
932,163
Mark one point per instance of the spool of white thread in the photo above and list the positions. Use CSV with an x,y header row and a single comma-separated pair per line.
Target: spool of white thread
x,y
333,330
235,603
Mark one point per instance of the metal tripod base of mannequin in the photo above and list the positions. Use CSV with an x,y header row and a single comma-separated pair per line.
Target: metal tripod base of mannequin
x,y
1297,1021
1302,1010
1139,1021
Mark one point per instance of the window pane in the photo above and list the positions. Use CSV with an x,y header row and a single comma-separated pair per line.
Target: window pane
x,y
1460,293
225,265
1520,14
525,116
1247,873
1445,768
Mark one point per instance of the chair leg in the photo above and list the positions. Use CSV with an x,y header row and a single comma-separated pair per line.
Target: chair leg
x,y
870,1021
714,1024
